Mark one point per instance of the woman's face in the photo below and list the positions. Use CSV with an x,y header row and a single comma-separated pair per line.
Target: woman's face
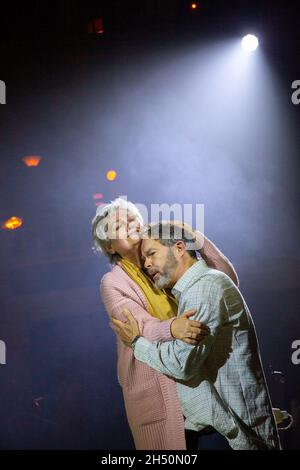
x,y
123,232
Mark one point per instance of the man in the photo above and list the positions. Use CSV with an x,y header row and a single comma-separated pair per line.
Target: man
x,y
220,382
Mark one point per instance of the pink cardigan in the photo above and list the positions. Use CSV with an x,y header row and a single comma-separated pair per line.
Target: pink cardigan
x,y
151,402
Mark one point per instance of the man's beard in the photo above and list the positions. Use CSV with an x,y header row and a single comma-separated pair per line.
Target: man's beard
x,y
165,279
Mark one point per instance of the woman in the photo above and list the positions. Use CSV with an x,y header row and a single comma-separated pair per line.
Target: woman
x,y
151,402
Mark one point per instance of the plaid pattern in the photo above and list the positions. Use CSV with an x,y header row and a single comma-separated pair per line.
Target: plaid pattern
x,y
221,381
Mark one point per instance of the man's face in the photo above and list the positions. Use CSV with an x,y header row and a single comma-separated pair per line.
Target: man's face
x,y
160,263
123,232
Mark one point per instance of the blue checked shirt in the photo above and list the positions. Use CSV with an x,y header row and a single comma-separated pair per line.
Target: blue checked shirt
x,y
220,382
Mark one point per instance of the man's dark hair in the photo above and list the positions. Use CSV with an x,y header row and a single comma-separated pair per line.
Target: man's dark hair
x,y
169,233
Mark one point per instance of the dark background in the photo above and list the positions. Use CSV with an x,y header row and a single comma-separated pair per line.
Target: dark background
x,y
76,98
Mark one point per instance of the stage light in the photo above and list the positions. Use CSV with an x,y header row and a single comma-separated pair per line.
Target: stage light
x,y
250,43
12,224
32,160
96,26
99,25
97,199
194,6
111,175
98,196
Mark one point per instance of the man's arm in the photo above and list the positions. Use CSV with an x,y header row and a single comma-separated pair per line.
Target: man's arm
x,y
183,361
116,301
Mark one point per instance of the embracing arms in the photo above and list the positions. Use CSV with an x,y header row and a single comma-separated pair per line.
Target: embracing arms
x,y
116,301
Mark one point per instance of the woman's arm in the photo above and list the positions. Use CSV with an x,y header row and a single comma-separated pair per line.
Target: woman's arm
x,y
214,258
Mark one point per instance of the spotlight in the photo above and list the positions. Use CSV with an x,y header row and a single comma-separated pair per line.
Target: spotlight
x,y
250,43
194,6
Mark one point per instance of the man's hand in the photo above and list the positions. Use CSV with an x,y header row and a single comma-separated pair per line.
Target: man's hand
x,y
189,331
126,331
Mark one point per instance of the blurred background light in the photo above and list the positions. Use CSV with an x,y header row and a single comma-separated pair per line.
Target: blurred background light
x,y
32,160
98,199
12,224
111,175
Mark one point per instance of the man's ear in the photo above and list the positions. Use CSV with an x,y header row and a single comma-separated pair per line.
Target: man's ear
x,y
180,248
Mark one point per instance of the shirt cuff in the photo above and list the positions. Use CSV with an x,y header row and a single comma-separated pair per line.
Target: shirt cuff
x,y
141,349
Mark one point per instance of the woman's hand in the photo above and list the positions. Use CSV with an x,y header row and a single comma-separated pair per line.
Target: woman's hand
x,y
189,331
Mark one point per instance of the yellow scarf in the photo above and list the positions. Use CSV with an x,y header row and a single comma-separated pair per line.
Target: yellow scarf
x,y
160,304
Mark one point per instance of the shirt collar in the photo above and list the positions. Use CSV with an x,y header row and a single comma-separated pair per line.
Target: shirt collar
x,y
189,275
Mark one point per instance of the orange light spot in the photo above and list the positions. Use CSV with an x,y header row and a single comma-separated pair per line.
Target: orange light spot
x,y
12,224
32,160
111,175
194,6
